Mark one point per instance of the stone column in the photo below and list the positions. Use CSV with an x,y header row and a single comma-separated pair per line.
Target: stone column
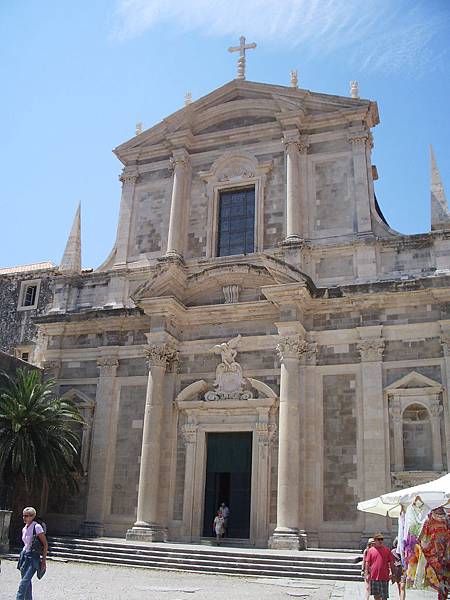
x,y
189,433
178,206
148,526
286,534
436,412
395,410
128,180
375,465
100,465
292,146
359,142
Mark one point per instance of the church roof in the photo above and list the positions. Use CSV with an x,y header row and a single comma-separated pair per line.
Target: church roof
x,y
42,266
239,104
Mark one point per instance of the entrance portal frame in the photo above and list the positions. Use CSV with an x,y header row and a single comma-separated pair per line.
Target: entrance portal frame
x,y
258,416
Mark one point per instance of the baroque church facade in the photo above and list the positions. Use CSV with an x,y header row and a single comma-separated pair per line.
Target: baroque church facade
x,y
259,335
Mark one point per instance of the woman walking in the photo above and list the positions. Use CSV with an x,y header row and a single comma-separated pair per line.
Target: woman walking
x,y
32,559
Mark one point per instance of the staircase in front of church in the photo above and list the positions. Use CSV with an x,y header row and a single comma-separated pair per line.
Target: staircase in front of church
x,y
214,560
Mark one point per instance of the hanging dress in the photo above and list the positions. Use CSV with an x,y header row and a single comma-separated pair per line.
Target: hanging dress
x,y
435,545
415,562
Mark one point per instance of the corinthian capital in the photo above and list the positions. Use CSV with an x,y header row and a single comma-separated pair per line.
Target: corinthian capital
x,y
371,350
189,433
161,355
179,159
52,368
445,341
129,177
292,347
361,138
293,141
107,366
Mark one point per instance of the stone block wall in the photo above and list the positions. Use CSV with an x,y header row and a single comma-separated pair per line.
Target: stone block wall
x,y
127,450
339,448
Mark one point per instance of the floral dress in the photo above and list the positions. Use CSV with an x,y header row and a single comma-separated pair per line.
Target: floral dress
x,y
435,545
412,555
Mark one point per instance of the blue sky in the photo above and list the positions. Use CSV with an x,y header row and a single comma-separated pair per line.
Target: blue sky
x,y
77,76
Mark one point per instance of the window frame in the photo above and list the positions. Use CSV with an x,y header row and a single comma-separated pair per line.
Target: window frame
x,y
230,191
22,293
234,170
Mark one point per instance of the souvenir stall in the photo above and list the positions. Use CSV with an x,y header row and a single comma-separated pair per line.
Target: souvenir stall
x,y
423,513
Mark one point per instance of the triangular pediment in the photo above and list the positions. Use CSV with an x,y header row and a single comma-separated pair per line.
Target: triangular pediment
x,y
413,380
237,104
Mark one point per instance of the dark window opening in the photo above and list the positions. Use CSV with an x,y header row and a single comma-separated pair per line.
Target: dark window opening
x,y
25,356
236,222
29,298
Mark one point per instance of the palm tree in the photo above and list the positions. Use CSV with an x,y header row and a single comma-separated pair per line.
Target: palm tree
x,y
37,440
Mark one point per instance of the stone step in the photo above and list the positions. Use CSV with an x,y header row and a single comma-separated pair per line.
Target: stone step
x,y
207,561
210,551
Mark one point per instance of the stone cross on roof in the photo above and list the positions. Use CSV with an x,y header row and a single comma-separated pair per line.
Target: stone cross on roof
x,y
241,60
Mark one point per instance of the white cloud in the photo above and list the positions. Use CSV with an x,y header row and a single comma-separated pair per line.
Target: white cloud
x,y
376,34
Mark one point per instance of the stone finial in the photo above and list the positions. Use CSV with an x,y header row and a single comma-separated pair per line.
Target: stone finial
x,y
241,60
294,78
187,98
71,260
138,128
440,214
354,89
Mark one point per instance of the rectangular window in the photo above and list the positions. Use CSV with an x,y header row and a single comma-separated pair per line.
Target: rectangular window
x,y
25,356
236,222
29,294
29,298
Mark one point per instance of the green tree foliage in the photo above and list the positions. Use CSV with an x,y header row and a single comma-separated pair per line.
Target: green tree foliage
x,y
37,438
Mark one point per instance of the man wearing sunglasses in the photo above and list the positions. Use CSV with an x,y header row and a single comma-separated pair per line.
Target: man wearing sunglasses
x,y
379,568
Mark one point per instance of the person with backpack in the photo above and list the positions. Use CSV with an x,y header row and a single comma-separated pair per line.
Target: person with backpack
x,y
33,557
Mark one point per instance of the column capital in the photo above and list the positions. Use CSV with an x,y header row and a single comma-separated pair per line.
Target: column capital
x,y
371,350
180,158
107,366
189,433
360,138
395,409
130,177
435,408
295,346
52,368
294,140
265,433
161,355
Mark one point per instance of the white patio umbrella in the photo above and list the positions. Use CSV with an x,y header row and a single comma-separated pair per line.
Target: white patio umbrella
x,y
434,493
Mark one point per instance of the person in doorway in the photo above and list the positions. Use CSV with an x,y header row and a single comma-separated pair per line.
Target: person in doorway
x,y
33,557
370,542
398,574
226,515
379,568
218,526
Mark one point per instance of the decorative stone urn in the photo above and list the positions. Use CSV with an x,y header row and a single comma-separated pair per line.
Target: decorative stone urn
x,y
5,519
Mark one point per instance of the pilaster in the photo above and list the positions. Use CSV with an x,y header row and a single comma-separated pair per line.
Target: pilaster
x,y
395,411
371,348
295,148
189,433
129,180
101,465
360,142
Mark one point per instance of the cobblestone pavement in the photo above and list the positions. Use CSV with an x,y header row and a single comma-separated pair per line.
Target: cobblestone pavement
x,y
75,581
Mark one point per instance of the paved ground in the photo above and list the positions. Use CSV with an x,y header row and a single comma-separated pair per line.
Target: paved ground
x,y
75,581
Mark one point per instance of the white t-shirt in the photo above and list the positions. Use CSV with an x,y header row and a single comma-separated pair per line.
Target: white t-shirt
x,y
27,534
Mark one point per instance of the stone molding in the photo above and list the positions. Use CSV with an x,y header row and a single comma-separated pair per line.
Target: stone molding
x,y
161,355
371,350
107,366
406,479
